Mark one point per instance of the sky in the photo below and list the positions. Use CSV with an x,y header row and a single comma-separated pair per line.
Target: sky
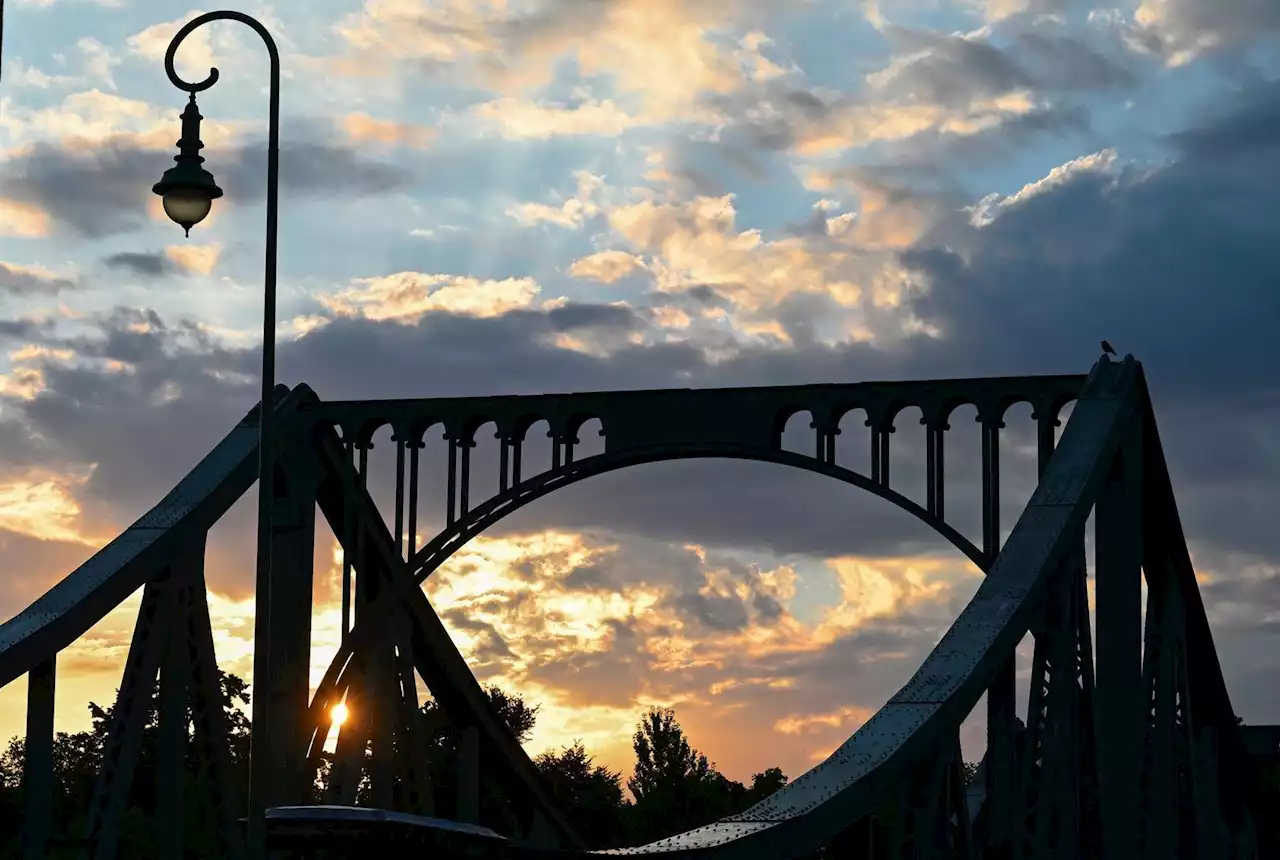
x,y
525,196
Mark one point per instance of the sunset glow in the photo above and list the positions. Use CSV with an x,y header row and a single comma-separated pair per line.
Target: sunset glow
x,y
339,713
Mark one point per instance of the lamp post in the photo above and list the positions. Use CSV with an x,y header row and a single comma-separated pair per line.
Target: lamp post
x,y
188,191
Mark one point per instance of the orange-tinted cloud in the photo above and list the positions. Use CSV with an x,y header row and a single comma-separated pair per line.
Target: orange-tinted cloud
x,y
362,128
406,296
44,508
22,220
198,259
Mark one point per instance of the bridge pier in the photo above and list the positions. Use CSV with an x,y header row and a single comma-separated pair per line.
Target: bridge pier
x,y
288,684
37,765
1118,535
172,742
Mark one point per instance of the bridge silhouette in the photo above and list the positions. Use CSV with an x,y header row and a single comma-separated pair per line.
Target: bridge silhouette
x,y
1130,752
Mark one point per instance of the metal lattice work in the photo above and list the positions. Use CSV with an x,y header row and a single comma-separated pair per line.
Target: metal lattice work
x,y
1129,752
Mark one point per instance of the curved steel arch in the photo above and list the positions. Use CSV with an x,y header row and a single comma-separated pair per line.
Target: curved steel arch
x,y
429,559
424,562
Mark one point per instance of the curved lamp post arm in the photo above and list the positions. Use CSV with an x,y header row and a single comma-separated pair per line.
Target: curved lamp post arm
x,y
263,760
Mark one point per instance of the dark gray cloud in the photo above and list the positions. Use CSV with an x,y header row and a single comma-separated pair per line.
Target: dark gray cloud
x,y
22,281
950,69
20,329
1058,66
953,69
1249,129
104,191
147,264
573,316
1223,26
1172,264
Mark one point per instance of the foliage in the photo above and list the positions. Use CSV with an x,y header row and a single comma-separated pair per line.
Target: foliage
x,y
77,761
590,795
676,788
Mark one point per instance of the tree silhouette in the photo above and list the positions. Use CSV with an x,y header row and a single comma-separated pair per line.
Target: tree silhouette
x,y
77,759
764,784
589,794
674,786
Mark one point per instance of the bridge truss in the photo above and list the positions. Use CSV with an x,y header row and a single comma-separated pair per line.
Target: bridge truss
x,y
1132,752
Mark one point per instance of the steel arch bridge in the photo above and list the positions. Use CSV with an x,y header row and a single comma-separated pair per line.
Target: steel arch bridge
x,y
1132,752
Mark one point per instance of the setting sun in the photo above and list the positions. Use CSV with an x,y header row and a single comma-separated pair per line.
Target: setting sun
x,y
339,713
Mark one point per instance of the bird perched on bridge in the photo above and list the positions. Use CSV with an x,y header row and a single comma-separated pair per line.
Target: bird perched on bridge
x,y
1106,348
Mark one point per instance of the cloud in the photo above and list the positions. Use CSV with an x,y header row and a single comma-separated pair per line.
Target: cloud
x,y
98,60
829,284
105,190
571,213
1138,255
595,626
990,207
20,75
406,296
16,280
938,91
196,259
44,510
1179,31
606,266
782,117
148,264
958,69
519,119
362,128
661,54
22,220
175,259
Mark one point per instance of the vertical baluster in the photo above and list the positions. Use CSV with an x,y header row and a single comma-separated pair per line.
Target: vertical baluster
x,y
400,443
417,444
504,458
930,468
464,488
875,447
939,458
990,485
451,482
348,536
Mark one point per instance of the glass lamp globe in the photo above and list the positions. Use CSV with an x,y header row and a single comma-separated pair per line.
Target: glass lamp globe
x,y
187,206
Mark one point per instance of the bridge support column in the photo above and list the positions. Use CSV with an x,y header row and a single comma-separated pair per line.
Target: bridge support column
x,y
1118,529
37,765
171,752
292,582
129,716
1002,700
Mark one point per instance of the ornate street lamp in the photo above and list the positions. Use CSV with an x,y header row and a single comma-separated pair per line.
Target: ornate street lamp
x,y
188,191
